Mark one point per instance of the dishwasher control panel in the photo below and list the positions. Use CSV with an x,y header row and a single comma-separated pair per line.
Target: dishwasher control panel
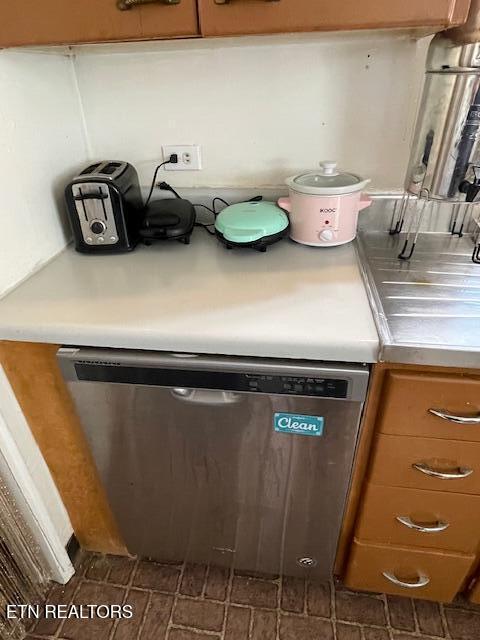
x,y
223,380
294,385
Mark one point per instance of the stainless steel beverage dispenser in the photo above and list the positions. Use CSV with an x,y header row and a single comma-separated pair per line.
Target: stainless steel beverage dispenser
x,y
444,162
445,156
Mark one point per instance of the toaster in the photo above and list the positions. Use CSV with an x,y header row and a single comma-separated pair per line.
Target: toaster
x,y
105,207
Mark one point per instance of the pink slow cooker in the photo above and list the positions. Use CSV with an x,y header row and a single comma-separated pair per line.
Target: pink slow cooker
x,y
323,206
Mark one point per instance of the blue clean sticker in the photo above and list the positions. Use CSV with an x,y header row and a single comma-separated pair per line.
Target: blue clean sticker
x,y
301,425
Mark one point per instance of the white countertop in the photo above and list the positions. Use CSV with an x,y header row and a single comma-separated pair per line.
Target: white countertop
x,y
291,302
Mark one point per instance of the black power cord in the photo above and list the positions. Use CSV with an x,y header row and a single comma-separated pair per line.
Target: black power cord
x,y
227,204
211,224
172,160
164,186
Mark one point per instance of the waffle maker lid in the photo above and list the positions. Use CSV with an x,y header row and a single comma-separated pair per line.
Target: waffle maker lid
x,y
249,222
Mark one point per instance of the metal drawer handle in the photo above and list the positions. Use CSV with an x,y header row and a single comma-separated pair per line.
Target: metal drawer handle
x,y
460,472
423,528
228,1
452,418
205,396
124,5
422,581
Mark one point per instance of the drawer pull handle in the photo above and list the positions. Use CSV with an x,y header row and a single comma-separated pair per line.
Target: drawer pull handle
x,y
423,528
124,5
461,472
422,581
457,419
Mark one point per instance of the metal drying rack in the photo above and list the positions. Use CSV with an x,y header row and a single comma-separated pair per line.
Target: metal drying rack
x,y
463,215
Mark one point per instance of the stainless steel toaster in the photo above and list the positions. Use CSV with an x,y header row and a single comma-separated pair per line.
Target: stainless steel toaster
x,y
105,207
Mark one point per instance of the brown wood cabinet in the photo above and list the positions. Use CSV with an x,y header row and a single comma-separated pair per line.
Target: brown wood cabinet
x,y
415,518
43,396
419,513
236,17
35,22
409,399
426,463
418,573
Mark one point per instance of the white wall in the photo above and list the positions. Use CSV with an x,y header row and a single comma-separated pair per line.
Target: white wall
x,y
261,107
41,142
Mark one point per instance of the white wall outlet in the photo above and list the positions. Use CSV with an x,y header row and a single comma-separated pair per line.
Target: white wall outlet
x,y
189,157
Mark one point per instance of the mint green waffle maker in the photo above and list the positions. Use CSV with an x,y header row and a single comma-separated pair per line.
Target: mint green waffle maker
x,y
251,224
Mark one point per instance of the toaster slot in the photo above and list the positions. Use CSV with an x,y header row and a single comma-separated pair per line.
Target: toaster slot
x,y
111,168
81,198
90,169
102,197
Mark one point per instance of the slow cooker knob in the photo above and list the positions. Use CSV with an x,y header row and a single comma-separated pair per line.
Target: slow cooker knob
x,y
326,235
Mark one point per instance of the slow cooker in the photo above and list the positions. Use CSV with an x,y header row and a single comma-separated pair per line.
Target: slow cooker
x,y
324,205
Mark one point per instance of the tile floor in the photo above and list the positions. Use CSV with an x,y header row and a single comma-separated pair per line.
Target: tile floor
x,y
192,602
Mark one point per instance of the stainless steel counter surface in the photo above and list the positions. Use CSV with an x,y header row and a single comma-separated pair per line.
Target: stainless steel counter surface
x,y
427,310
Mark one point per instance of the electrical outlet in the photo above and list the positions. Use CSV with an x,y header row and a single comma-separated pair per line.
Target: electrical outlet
x,y
189,157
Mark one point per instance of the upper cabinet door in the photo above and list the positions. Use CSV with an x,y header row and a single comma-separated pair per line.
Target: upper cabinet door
x,y
42,22
235,17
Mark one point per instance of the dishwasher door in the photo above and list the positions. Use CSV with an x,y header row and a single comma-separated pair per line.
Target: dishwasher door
x,y
194,468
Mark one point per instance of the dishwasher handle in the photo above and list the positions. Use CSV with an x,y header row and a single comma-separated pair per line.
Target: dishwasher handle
x,y
205,396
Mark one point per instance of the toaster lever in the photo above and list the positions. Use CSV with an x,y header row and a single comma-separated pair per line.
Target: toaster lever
x,y
92,196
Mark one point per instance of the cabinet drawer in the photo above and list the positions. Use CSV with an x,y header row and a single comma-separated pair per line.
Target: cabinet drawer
x,y
431,575
394,457
31,22
409,397
225,17
393,515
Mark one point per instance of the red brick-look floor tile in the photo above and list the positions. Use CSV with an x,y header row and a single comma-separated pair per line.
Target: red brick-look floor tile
x,y
216,583
193,579
86,629
257,593
348,632
362,609
97,568
293,594
59,594
299,628
429,618
120,569
159,577
264,625
375,634
463,625
183,634
238,623
319,599
157,617
204,615
195,602
401,613
128,628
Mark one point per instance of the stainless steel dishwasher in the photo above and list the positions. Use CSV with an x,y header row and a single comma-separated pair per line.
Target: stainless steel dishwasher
x,y
242,462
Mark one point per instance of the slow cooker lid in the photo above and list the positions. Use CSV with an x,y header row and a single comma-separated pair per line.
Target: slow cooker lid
x,y
327,179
